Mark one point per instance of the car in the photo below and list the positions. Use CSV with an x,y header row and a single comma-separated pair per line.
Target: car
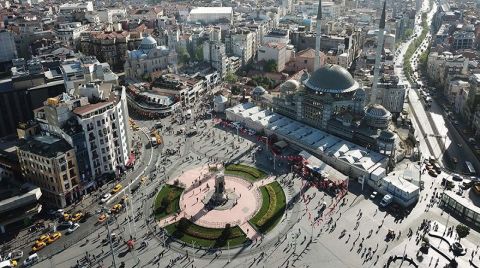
x,y
31,260
116,208
42,239
72,229
54,237
65,224
38,246
373,195
105,197
432,173
14,255
116,189
457,177
78,216
102,218
66,217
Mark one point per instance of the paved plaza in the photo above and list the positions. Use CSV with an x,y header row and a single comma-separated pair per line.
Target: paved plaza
x,y
351,232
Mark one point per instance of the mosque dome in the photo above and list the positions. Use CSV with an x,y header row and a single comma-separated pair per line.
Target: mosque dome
x,y
331,78
290,86
387,136
377,116
259,90
148,43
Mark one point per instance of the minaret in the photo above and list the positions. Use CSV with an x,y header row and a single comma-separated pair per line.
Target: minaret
x,y
319,35
378,56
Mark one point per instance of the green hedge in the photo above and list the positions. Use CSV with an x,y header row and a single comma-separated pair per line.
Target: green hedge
x,y
247,172
188,231
273,207
167,201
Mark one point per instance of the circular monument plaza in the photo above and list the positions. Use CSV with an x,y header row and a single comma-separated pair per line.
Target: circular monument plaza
x,y
217,206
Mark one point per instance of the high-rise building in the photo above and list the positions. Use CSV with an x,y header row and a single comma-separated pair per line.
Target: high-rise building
x,y
95,123
8,51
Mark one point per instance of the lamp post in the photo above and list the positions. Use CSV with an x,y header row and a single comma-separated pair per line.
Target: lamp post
x,y
104,210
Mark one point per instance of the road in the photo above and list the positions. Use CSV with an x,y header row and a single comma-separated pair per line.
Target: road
x,y
436,134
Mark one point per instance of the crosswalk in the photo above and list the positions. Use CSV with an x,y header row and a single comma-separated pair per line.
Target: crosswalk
x,y
144,129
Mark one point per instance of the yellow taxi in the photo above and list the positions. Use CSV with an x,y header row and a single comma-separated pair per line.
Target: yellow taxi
x,y
38,246
117,188
42,239
66,217
102,218
116,208
54,237
143,179
78,216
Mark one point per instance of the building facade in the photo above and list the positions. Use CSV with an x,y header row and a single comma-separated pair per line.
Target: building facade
x,y
276,52
51,164
110,47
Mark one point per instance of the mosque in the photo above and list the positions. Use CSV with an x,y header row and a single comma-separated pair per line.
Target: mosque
x,y
331,100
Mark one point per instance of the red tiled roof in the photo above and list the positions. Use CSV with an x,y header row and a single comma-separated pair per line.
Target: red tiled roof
x,y
90,107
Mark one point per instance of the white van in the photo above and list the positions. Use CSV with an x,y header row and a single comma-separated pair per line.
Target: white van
x,y
387,200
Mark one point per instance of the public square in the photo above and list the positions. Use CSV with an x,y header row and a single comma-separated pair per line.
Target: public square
x,y
351,232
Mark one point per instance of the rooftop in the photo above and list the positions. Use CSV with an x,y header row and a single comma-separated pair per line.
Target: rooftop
x,y
216,10
46,146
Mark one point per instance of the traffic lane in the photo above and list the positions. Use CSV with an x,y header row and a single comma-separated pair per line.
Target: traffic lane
x,y
465,149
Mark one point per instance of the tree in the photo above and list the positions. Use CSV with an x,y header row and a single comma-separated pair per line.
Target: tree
x,y
183,55
271,66
408,33
231,77
235,90
199,53
462,231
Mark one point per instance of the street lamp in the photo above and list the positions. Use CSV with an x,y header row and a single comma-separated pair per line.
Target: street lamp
x,y
105,210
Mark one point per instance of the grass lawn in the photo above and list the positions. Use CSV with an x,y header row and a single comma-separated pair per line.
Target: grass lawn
x,y
250,173
167,201
273,207
187,232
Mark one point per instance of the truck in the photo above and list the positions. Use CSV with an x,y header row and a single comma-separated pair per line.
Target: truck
x,y
386,200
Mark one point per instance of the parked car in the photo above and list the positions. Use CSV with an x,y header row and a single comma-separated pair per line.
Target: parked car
x,y
31,260
432,173
65,224
72,229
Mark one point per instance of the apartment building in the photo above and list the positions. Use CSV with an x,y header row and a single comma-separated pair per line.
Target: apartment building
x,y
50,163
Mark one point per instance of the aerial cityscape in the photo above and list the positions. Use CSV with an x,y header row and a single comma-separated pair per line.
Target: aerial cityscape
x,y
287,133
